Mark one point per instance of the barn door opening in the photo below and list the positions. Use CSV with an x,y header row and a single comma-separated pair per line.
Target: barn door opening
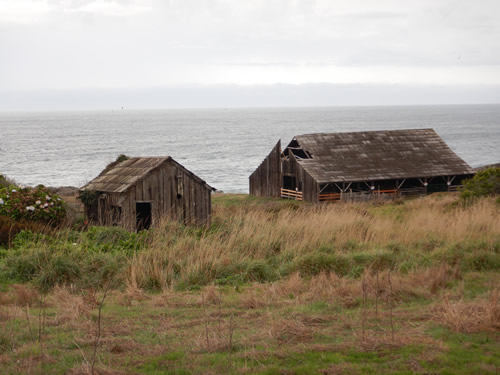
x,y
143,215
289,182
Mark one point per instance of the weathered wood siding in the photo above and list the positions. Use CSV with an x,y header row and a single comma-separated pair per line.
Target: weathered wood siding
x,y
172,191
287,168
265,181
304,181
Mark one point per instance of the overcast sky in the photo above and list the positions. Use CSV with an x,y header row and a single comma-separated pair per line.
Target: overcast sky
x,y
120,48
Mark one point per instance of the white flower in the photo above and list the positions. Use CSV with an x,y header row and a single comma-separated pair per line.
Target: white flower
x,y
46,205
1,201
58,199
7,196
38,202
47,198
51,203
13,190
30,208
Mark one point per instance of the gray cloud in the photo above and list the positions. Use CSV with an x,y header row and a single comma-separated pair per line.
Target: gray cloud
x,y
79,44
221,96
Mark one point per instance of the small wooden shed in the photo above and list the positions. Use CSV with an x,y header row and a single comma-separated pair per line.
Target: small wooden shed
x,y
359,166
138,192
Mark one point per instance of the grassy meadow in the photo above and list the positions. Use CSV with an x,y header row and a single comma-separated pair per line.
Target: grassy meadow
x,y
270,287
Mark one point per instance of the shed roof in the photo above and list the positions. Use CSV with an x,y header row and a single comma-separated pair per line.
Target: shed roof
x,y
379,155
119,177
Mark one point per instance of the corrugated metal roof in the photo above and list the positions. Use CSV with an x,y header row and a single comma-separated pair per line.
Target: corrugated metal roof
x,y
379,155
118,178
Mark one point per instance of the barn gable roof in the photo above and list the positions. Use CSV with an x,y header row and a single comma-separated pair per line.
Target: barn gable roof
x,y
378,155
119,177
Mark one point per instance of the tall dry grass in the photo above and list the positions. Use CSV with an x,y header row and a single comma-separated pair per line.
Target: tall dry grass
x,y
253,241
480,314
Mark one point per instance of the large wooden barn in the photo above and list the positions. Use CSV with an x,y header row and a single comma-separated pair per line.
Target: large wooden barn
x,y
138,192
359,166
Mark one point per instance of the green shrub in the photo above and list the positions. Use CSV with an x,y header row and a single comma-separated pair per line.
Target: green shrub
x,y
59,270
484,183
259,271
383,260
21,267
313,264
10,228
31,204
47,267
483,261
198,278
230,272
113,239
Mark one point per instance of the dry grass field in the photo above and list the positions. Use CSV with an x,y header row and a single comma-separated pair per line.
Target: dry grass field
x,y
271,287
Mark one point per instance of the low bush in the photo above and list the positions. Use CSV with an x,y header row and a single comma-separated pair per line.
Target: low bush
x,y
47,267
260,271
113,239
484,183
9,228
315,263
31,204
483,261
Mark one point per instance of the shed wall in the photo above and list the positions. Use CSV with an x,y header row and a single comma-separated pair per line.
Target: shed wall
x,y
265,181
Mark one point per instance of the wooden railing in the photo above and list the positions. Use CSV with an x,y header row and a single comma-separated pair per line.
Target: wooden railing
x,y
329,197
415,191
291,194
363,195
387,191
454,187
332,197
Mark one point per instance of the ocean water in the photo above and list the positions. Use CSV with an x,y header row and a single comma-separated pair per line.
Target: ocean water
x,y
222,146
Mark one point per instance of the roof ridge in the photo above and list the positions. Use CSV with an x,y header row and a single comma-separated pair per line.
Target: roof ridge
x,y
367,131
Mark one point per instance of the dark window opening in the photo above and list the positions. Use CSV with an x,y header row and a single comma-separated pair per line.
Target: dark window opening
x,y
143,215
289,182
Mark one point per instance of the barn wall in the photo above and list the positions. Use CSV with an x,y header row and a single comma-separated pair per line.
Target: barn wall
x,y
287,167
265,181
309,185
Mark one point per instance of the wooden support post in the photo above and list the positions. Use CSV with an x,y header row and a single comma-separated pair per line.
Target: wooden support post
x,y
324,187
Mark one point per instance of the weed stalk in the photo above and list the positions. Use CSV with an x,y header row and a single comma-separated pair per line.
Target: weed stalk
x,y
98,334
390,306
